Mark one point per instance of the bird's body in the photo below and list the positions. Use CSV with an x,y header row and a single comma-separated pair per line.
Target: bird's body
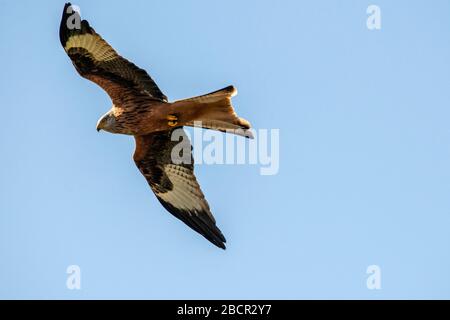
x,y
142,110
150,115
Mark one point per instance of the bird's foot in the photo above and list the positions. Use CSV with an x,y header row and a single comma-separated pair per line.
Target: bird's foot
x,y
172,120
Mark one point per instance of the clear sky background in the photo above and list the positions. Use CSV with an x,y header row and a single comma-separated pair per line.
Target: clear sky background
x,y
364,153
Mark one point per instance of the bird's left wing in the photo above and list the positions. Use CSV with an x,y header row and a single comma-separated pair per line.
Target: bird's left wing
x,y
174,183
97,61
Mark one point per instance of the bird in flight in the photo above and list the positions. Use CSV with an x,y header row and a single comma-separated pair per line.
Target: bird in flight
x,y
142,110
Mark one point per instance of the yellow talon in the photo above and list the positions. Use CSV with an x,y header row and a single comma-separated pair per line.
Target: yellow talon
x,y
172,120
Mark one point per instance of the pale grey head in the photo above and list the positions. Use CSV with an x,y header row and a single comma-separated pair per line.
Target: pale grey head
x,y
107,123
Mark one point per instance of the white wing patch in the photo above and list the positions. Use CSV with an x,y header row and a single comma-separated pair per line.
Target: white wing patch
x,y
186,193
95,45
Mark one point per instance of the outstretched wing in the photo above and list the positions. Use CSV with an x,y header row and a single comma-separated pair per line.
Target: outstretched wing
x,y
97,61
174,184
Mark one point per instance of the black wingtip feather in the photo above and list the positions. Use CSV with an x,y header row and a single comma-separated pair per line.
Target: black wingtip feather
x,y
64,32
206,228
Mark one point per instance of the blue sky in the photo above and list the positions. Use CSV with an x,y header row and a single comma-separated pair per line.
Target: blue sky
x,y
364,173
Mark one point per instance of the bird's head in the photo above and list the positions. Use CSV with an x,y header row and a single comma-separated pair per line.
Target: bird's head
x,y
107,122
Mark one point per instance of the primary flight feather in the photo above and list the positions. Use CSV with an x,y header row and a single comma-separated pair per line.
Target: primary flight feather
x,y
142,110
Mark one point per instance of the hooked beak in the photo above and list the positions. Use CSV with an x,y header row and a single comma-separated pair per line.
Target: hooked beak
x,y
99,126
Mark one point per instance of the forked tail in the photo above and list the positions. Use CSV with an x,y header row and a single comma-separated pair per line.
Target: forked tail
x,y
212,111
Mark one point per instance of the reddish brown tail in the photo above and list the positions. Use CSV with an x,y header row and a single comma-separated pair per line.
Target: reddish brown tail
x,y
212,111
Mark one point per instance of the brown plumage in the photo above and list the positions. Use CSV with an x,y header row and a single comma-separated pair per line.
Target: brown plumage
x,y
141,109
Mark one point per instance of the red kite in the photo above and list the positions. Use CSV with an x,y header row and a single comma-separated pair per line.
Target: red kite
x,y
142,110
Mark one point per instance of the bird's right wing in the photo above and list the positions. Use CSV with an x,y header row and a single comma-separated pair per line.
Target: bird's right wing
x,y
174,183
97,61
